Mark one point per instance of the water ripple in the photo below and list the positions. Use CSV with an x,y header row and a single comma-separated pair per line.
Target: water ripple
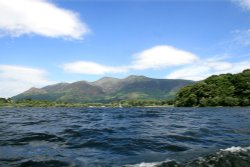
x,y
58,137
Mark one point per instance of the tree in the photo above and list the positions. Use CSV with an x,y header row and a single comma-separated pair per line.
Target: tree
x,y
217,90
3,100
231,101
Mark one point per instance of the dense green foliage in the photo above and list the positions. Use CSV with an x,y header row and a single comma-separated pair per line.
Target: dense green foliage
x,y
44,103
107,90
217,90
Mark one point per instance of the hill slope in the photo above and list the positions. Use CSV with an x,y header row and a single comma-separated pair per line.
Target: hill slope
x,y
217,90
107,89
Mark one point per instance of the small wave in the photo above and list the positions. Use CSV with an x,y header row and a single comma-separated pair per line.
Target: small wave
x,y
183,138
176,148
89,144
50,163
34,122
31,137
229,157
87,133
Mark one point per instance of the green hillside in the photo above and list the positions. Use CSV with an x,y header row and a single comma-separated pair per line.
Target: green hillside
x,y
217,90
107,89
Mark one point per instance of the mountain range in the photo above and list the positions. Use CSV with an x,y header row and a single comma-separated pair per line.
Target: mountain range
x,y
107,89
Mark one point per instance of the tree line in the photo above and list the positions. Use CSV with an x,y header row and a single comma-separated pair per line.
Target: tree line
x,y
217,90
44,103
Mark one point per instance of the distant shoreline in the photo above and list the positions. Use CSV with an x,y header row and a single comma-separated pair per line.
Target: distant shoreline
x,y
87,106
117,107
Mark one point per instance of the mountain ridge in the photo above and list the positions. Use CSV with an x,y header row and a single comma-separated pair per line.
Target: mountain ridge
x,y
107,89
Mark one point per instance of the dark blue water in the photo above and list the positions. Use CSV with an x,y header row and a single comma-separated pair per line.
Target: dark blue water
x,y
122,137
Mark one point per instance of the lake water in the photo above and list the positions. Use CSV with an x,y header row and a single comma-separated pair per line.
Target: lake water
x,y
79,137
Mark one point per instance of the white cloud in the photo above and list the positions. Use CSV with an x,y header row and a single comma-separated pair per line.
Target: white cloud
x,y
19,17
158,57
205,68
16,79
245,4
87,67
162,56
241,37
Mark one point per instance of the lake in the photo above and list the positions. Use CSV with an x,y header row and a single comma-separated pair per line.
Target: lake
x,y
79,137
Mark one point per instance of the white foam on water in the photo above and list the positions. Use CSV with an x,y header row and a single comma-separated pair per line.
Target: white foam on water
x,y
233,149
236,149
150,164
143,164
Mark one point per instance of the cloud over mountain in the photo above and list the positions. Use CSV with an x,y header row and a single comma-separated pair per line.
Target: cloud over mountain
x,y
16,79
87,67
205,68
157,57
162,56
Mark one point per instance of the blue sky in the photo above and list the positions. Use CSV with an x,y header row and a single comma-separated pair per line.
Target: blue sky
x,y
48,41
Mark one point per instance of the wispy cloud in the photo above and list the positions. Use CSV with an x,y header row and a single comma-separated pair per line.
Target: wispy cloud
x,y
19,17
245,4
16,79
205,68
241,38
158,57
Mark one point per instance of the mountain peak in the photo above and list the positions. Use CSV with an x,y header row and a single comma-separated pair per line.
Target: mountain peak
x,y
136,77
78,84
107,83
56,87
105,79
34,90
